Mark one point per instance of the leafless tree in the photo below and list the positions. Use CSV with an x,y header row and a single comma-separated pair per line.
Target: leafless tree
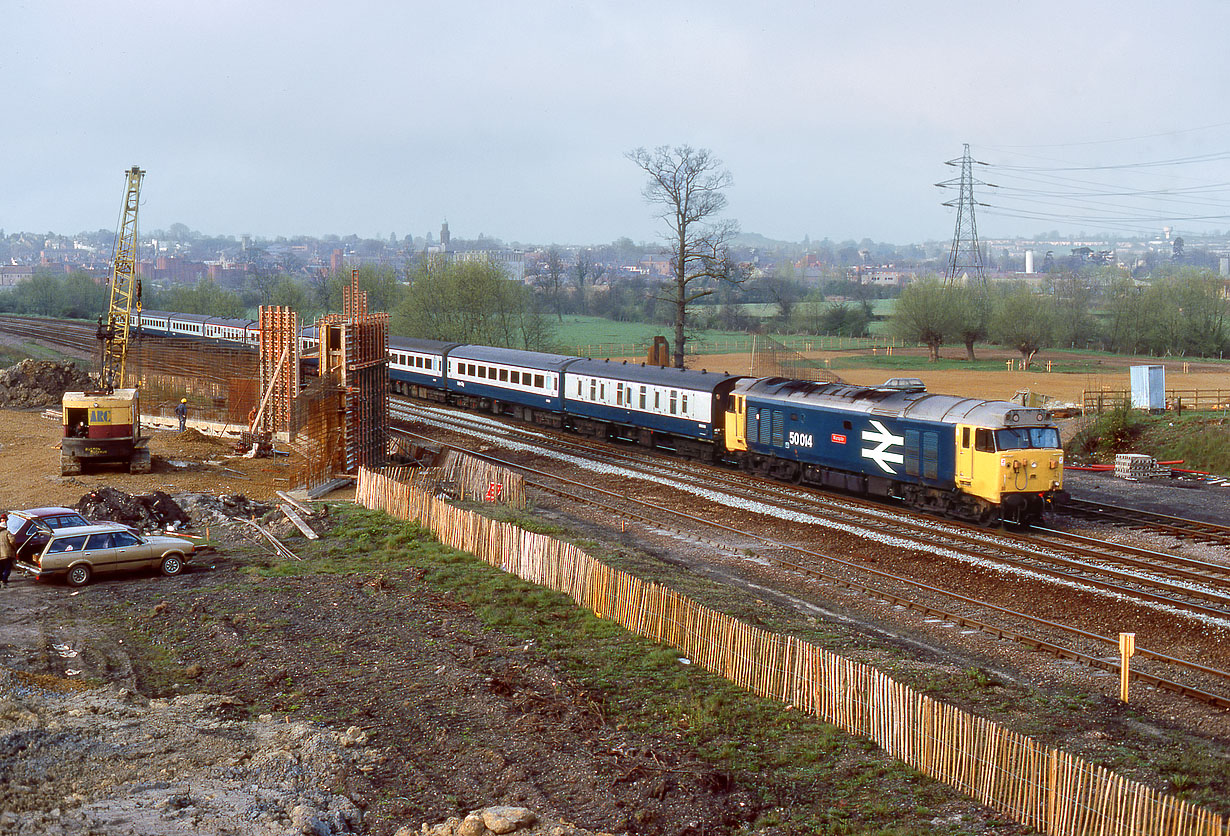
x,y
548,276
688,184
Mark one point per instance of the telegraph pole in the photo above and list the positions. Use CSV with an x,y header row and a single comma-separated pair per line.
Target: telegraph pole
x,y
965,258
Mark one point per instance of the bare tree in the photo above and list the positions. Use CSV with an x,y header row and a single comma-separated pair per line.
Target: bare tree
x,y
548,277
689,183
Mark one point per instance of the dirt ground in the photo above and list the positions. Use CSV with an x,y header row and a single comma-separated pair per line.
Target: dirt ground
x,y
182,463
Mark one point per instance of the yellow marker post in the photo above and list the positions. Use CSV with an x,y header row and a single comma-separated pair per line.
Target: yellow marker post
x,y
1127,647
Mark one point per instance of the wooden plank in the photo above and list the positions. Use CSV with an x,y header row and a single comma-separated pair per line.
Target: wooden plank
x,y
294,503
293,516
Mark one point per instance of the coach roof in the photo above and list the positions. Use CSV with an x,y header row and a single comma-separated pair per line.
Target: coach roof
x,y
421,345
511,357
700,380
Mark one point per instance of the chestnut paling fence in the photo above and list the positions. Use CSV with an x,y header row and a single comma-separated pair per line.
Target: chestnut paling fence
x,y
1038,785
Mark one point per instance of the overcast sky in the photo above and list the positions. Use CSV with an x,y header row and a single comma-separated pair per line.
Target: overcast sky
x,y
512,119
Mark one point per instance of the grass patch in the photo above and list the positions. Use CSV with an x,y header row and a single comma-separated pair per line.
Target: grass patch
x,y
1201,440
11,355
815,777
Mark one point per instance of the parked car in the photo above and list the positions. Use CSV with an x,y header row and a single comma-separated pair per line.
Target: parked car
x,y
33,527
80,552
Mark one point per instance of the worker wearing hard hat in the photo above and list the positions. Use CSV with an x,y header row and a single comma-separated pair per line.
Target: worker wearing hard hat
x,y
181,410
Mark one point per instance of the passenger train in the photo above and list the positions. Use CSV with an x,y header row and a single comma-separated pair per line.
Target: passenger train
x,y
968,458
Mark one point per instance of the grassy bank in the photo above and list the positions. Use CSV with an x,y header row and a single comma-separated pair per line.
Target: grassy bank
x,y
1201,440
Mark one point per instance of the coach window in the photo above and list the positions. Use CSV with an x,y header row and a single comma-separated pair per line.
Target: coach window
x,y
657,400
593,390
642,397
674,401
684,403
984,442
602,392
538,381
619,394
515,377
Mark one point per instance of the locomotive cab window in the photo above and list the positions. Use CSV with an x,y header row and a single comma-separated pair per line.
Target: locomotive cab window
x,y
983,441
965,437
1025,438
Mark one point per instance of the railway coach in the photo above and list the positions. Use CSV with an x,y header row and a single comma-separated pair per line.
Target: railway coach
x,y
507,381
963,457
416,367
654,406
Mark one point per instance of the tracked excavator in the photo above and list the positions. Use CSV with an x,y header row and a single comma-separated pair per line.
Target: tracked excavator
x,y
104,423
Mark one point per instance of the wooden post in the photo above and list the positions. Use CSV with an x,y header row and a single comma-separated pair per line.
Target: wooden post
x,y
1127,647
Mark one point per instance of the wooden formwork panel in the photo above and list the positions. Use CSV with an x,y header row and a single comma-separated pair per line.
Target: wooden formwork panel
x,y
279,367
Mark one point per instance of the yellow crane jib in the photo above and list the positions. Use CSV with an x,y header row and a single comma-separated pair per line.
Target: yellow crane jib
x,y
125,296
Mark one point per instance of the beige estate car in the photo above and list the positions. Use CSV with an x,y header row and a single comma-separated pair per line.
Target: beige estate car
x,y
80,553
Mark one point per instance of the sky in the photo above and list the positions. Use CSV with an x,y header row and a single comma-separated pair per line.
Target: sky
x,y
513,120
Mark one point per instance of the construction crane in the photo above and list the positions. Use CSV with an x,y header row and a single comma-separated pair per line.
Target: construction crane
x,y
125,295
104,424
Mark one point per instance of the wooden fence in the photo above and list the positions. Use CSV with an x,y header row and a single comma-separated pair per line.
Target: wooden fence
x,y
1107,400
464,477
1037,785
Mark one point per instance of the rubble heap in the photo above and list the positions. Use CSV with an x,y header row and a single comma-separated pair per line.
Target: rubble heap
x,y
151,510
40,383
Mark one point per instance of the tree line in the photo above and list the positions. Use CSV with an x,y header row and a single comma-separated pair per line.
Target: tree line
x,y
1184,312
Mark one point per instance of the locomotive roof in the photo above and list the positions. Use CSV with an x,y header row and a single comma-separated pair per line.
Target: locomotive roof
x,y
421,345
922,406
700,380
511,357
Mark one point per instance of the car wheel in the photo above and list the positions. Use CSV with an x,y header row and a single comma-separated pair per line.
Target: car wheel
x,y
172,564
79,575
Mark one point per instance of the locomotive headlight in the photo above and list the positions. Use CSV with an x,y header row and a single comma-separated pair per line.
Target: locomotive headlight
x,y
1033,464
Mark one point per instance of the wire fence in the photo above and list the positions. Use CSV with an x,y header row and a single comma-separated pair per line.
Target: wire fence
x,y
1038,785
740,345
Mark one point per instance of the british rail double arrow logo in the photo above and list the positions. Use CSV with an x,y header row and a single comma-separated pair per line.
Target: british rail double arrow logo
x,y
883,439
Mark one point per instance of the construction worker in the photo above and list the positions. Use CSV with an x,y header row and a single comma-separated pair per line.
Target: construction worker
x,y
8,550
181,410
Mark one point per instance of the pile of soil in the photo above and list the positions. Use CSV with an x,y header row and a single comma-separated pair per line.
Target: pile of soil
x,y
108,760
151,510
40,383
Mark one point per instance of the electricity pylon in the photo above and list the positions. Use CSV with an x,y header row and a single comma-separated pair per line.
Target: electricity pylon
x,y
965,259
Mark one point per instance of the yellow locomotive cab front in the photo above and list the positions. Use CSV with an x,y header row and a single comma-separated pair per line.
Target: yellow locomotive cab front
x,y
1018,467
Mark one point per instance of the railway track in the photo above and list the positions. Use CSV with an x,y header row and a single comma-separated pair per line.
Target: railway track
x,y
951,606
1187,585
1136,519
818,566
66,333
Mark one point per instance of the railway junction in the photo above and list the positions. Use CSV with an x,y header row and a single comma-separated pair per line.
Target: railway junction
x,y
772,550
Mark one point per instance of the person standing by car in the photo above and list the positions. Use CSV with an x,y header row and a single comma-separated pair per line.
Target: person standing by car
x,y
8,550
181,410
